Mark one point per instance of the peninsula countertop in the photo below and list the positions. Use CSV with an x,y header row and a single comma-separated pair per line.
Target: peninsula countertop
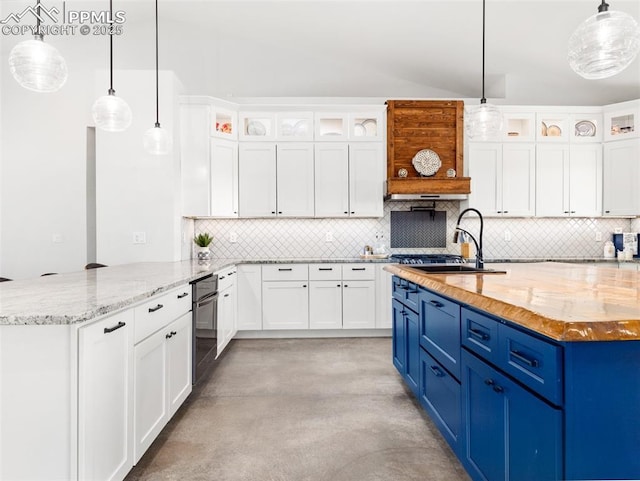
x,y
75,297
565,302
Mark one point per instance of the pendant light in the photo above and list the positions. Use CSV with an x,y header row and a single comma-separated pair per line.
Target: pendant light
x,y
36,65
484,121
109,112
157,140
604,44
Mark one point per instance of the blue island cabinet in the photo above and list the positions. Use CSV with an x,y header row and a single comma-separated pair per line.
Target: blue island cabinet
x,y
406,348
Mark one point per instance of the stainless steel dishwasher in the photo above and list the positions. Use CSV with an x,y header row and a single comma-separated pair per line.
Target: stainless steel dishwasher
x,y
205,324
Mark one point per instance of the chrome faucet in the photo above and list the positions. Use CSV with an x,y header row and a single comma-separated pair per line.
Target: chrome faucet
x,y
478,245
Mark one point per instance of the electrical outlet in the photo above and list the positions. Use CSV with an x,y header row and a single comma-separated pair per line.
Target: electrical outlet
x,y
233,237
139,238
598,236
617,230
328,237
507,235
56,238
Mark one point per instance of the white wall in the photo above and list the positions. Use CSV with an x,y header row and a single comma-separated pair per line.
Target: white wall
x,y
136,191
42,186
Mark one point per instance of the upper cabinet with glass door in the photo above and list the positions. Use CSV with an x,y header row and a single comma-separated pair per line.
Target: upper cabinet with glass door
x,y
331,126
622,121
586,127
518,126
552,126
366,126
225,123
294,126
259,126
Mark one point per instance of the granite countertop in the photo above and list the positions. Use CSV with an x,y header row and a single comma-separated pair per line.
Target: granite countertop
x,y
563,301
79,296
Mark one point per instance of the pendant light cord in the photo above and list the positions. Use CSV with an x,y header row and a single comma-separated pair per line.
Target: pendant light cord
x,y
111,91
157,77
483,100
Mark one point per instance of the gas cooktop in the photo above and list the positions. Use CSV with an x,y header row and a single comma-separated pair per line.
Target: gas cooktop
x,y
427,259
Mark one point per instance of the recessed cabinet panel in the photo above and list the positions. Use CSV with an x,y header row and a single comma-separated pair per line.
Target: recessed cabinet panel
x,y
621,178
195,168
224,178
295,196
485,163
552,180
331,180
366,180
257,180
585,180
325,304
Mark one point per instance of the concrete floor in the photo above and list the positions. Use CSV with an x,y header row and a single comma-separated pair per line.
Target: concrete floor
x,y
301,410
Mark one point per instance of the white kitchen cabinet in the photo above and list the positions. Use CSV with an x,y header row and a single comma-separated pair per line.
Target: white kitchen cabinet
x,y
285,305
195,121
366,126
621,178
295,196
518,126
569,180
621,121
257,126
325,304
162,379
224,178
331,126
358,304
366,179
331,179
105,411
285,296
249,286
227,307
257,179
553,126
294,126
502,179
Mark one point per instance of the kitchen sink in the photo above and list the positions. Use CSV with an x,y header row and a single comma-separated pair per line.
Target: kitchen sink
x,y
454,269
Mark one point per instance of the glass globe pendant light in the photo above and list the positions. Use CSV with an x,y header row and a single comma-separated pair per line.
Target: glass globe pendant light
x,y
36,65
484,122
157,140
604,44
109,112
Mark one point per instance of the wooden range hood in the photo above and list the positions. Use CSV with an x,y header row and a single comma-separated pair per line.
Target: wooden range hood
x,y
414,125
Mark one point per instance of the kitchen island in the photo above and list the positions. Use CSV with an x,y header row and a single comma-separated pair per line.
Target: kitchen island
x,y
529,375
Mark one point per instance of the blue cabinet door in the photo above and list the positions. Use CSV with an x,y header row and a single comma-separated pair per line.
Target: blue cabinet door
x,y
440,397
399,337
412,333
512,435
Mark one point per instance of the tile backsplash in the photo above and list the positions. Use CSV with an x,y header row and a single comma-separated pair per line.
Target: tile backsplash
x,y
529,238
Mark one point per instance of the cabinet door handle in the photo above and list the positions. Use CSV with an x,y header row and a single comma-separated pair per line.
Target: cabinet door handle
x,y
498,389
358,268
157,308
524,359
479,334
183,295
230,273
226,295
346,212
304,285
436,371
607,211
352,212
338,285
325,268
436,303
221,277
173,333
346,285
505,211
168,336
279,212
107,330
284,270
489,382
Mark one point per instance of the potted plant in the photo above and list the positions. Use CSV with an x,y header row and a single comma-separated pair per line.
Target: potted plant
x,y
202,242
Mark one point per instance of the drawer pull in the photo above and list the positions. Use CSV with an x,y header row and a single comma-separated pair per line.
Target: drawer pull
x,y
325,268
157,308
489,382
284,270
338,285
346,285
358,268
436,371
436,303
107,330
524,359
221,277
479,334
183,295
498,389
230,273
304,285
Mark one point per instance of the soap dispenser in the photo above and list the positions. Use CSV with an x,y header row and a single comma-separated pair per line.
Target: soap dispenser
x,y
609,250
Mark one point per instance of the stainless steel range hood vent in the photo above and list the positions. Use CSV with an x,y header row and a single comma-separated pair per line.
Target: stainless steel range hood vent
x,y
443,196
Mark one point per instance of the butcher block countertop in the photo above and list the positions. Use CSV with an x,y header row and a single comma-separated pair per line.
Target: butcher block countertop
x,y
565,302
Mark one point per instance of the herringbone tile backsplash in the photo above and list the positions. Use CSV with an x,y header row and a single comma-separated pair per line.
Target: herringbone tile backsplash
x,y
530,238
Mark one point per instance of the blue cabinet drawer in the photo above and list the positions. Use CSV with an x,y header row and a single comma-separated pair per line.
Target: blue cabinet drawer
x,y
406,292
440,330
532,361
440,396
480,334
